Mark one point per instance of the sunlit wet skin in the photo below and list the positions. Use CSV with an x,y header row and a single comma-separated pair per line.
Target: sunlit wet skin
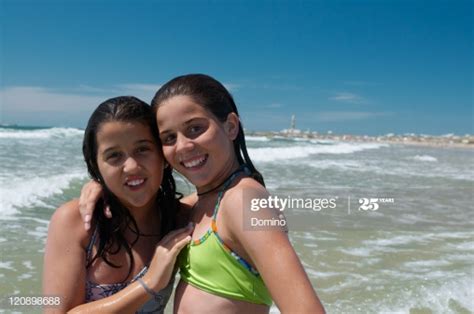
x,y
189,299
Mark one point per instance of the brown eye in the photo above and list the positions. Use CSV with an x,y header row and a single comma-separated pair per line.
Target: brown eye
x,y
113,156
168,139
143,149
195,130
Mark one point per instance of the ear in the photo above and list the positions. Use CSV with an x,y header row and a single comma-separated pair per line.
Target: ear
x,y
231,125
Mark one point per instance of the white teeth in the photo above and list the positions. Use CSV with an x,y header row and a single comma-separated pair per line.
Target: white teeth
x,y
194,163
135,182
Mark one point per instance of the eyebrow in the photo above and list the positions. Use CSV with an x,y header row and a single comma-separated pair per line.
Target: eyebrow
x,y
136,143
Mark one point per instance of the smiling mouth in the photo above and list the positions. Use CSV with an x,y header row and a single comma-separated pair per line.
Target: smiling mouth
x,y
135,183
195,163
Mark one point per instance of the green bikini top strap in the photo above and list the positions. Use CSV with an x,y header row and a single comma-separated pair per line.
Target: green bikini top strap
x,y
228,181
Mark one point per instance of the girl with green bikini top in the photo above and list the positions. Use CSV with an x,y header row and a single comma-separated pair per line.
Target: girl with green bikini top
x,y
225,268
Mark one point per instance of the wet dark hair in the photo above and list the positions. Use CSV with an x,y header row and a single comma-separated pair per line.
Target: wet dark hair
x,y
215,98
111,231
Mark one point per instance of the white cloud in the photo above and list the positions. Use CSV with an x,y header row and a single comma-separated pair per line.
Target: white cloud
x,y
32,98
39,105
348,98
81,98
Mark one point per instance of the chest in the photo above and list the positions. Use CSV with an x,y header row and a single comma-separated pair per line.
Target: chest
x,y
119,266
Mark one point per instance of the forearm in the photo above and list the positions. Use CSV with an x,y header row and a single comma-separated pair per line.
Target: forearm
x,y
127,300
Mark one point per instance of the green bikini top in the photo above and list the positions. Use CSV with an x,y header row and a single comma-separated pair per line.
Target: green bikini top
x,y
210,265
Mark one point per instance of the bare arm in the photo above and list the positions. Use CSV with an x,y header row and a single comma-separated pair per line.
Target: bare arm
x,y
65,270
271,252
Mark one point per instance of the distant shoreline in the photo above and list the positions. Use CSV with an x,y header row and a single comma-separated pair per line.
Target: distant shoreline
x,y
444,141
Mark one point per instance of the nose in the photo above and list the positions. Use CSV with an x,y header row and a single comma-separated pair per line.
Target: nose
x,y
183,144
130,164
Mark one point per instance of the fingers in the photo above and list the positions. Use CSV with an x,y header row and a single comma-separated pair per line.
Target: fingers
x,y
90,194
180,244
177,239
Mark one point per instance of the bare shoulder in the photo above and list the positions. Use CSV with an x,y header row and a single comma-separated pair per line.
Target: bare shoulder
x,y
242,193
66,221
245,201
239,198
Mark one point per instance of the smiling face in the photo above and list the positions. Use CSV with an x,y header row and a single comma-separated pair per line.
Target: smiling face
x,y
195,143
130,162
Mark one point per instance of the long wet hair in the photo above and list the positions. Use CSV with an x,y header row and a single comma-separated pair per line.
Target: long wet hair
x,y
215,98
112,230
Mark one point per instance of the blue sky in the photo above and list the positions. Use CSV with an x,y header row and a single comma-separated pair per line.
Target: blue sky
x,y
363,67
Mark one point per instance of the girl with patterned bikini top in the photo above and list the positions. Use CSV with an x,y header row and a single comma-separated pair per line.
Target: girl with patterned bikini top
x,y
125,264
226,269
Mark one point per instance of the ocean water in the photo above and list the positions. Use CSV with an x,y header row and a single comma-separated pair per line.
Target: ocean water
x,y
412,252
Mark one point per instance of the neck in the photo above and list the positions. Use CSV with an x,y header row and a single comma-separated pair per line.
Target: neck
x,y
147,218
219,180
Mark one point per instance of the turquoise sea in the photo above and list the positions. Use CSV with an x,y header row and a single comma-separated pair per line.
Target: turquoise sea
x,y
414,253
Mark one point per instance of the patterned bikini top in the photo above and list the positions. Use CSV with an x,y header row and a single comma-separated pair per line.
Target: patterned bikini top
x,y
96,291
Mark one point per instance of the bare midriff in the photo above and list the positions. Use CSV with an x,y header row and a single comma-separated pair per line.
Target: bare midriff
x,y
189,299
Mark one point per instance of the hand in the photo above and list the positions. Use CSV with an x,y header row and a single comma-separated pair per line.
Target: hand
x,y
90,194
162,264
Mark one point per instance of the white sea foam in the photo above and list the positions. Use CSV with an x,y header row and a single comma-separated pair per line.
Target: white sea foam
x,y
257,138
394,168
40,134
465,246
38,220
399,240
425,158
320,274
7,265
351,281
426,264
39,233
299,139
31,192
385,245
269,154
357,251
24,276
455,235
322,141
337,164
439,298
28,264
461,257
327,239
